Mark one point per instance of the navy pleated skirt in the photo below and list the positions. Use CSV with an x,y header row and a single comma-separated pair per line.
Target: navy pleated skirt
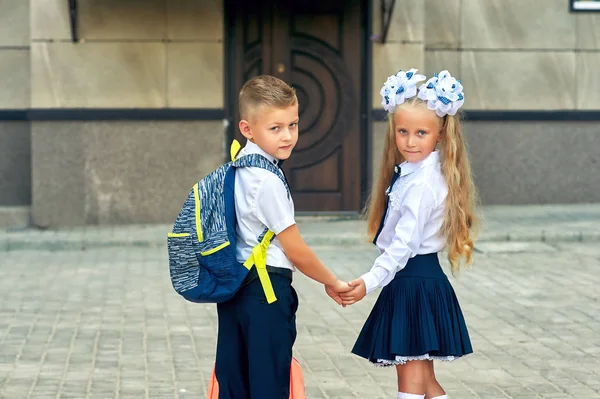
x,y
416,317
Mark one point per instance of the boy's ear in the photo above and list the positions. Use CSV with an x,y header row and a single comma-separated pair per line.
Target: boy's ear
x,y
245,129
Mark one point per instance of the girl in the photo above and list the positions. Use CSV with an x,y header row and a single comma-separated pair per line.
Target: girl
x,y
423,202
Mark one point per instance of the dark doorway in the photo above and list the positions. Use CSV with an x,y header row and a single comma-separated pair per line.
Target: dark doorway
x,y
317,46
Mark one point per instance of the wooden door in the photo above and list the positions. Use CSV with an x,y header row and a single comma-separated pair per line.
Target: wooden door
x,y
316,46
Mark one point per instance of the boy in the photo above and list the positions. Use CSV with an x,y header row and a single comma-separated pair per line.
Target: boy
x,y
254,348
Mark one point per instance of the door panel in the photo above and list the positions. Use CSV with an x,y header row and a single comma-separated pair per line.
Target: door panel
x,y
316,47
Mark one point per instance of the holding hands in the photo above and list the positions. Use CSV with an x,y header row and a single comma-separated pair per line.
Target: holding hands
x,y
347,293
357,292
336,289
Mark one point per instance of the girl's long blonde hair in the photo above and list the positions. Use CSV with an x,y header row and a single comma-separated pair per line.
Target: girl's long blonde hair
x,y
460,220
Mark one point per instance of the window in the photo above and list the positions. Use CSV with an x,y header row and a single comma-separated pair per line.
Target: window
x,y
585,5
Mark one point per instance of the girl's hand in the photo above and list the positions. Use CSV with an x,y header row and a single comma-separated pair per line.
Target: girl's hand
x,y
334,290
357,292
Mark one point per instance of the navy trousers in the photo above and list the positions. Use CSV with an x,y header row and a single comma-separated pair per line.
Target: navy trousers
x,y
254,345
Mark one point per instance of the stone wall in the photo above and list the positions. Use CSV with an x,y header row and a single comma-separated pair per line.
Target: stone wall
x,y
15,160
509,54
170,54
131,54
119,171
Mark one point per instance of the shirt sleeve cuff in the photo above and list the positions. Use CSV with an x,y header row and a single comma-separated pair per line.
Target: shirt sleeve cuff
x,y
371,282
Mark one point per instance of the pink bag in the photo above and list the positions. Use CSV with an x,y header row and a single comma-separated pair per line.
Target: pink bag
x,y
296,383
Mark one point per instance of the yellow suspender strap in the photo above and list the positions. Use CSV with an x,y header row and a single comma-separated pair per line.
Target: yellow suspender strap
x,y
258,258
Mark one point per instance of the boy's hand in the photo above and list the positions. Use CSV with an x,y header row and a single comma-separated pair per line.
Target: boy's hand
x,y
334,290
358,292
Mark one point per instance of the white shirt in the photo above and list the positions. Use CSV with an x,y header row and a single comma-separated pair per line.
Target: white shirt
x,y
413,221
261,200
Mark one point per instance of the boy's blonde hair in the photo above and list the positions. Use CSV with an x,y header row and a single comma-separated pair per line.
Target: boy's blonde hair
x,y
265,90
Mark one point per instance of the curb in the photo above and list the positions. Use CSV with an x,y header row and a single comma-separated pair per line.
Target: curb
x,y
53,244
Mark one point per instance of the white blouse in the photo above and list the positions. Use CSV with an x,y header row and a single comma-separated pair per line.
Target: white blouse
x,y
413,221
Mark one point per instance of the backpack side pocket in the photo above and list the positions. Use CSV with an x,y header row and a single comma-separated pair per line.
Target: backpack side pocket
x,y
183,262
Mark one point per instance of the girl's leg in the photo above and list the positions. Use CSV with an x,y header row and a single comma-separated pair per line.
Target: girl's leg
x,y
413,377
418,378
434,389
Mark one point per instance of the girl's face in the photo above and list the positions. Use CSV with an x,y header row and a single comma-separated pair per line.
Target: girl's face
x,y
417,132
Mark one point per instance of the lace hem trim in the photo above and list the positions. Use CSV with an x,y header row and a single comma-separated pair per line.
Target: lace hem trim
x,y
405,359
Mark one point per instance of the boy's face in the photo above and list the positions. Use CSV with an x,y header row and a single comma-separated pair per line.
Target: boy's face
x,y
274,130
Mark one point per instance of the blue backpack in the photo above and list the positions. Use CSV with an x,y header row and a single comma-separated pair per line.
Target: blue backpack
x,y
202,244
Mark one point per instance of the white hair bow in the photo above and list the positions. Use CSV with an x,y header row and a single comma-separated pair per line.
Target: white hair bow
x,y
443,94
399,87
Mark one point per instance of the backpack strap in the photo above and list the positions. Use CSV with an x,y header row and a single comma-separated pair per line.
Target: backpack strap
x,y
259,161
258,257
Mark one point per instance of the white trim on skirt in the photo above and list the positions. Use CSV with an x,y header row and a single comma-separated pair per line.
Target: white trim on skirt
x,y
404,359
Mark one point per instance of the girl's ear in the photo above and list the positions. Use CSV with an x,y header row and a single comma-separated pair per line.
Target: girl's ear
x,y
441,135
246,129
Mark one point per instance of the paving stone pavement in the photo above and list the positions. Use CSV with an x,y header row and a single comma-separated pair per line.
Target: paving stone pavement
x,y
105,323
